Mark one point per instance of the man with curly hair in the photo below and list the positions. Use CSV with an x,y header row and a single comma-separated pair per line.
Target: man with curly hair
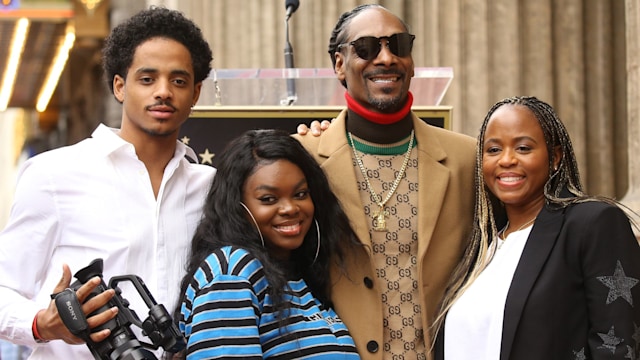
x,y
129,196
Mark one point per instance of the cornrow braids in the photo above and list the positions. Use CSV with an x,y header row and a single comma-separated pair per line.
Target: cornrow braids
x,y
339,34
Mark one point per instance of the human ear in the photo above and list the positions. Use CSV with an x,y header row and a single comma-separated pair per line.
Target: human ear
x,y
339,67
196,93
557,157
118,88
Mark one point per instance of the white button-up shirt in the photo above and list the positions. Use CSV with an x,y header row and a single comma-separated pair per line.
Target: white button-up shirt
x,y
95,200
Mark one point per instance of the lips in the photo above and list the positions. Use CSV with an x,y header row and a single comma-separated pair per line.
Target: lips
x,y
161,112
289,229
161,109
510,179
385,79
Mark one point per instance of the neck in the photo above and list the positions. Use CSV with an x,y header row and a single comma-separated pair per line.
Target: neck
x,y
517,222
519,215
378,127
153,150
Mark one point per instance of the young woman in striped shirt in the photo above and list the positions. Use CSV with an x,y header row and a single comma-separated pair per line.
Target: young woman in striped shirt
x,y
258,274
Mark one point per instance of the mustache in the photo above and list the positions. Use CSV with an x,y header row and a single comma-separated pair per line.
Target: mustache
x,y
383,72
161,103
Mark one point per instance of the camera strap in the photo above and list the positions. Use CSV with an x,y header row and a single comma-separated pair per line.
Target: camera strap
x,y
70,311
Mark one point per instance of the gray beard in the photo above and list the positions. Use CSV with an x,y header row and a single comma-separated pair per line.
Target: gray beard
x,y
386,105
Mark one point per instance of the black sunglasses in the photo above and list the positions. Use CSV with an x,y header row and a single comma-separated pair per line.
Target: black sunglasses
x,y
368,47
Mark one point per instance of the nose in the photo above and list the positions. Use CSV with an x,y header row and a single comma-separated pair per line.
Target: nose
x,y
163,90
288,207
507,158
385,55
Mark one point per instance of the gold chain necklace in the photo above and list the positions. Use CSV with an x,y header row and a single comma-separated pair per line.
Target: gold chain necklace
x,y
506,227
380,223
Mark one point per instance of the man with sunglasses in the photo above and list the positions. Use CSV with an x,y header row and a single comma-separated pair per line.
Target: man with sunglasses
x,y
406,186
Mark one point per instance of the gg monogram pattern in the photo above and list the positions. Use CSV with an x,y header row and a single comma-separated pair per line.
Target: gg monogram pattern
x,y
394,251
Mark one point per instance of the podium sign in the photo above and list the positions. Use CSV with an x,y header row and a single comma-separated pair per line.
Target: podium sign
x,y
234,101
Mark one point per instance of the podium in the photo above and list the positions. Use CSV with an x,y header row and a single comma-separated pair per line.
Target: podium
x,y
233,101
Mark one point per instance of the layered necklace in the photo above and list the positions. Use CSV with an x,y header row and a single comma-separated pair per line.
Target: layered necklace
x,y
380,222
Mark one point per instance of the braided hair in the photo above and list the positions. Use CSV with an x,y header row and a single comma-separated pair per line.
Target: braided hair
x,y
489,211
339,35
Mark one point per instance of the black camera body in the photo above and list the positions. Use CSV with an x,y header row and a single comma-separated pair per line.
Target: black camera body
x,y
122,343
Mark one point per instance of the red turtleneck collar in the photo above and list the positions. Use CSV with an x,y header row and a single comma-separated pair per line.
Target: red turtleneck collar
x,y
376,117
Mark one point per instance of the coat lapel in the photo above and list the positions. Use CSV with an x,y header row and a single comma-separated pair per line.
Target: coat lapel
x,y
431,192
536,251
334,148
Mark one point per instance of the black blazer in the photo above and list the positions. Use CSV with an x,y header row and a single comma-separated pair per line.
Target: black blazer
x,y
575,293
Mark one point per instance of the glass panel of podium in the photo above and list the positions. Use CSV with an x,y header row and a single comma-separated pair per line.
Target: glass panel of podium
x,y
235,100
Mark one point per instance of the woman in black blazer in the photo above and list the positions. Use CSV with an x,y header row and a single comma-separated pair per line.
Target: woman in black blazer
x,y
550,272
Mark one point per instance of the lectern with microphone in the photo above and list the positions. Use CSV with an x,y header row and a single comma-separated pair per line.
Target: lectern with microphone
x,y
233,101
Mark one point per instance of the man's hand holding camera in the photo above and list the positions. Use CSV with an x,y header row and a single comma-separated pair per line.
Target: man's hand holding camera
x,y
49,326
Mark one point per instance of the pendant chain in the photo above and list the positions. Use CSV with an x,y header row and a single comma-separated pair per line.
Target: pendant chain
x,y
504,231
381,226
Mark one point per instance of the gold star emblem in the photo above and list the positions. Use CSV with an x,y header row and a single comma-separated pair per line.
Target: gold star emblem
x,y
185,140
206,157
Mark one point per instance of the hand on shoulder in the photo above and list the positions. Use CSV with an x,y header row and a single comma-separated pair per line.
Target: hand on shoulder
x,y
316,127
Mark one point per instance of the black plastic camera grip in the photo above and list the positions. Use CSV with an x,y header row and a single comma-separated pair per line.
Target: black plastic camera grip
x,y
70,311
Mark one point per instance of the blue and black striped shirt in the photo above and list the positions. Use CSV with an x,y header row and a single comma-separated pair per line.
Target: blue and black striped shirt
x,y
227,314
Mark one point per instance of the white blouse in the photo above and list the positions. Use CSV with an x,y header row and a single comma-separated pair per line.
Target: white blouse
x,y
473,327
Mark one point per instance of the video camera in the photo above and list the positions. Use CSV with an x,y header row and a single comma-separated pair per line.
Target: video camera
x,y
122,343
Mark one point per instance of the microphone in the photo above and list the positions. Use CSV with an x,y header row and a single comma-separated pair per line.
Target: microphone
x,y
291,6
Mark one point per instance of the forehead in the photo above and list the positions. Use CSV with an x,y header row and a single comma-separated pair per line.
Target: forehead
x,y
374,22
279,171
513,119
165,51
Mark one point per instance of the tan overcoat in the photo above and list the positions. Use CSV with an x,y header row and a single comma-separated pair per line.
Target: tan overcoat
x,y
445,212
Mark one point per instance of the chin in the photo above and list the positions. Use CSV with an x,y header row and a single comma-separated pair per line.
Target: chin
x,y
160,131
388,105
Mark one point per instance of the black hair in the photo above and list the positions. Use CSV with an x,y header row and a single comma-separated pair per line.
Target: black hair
x,y
121,44
225,221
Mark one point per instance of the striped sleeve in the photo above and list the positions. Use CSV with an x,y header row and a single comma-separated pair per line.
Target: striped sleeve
x,y
222,308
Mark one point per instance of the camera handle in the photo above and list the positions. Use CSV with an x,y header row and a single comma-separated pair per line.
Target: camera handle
x,y
70,311
159,326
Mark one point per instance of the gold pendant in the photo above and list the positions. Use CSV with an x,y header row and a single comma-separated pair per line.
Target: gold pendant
x,y
379,222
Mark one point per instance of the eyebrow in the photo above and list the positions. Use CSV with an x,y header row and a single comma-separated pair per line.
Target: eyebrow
x,y
519,138
272,188
155,71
